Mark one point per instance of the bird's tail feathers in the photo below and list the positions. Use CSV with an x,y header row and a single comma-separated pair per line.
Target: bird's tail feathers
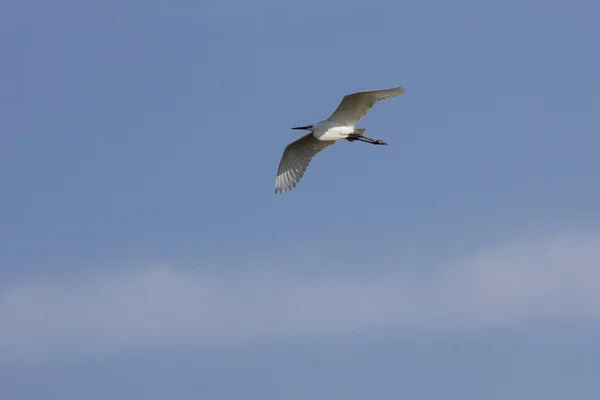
x,y
357,132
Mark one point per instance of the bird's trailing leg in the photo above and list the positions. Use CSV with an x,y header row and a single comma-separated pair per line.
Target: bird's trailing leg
x,y
366,140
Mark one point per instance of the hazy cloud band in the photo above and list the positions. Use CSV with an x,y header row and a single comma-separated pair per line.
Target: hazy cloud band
x,y
154,306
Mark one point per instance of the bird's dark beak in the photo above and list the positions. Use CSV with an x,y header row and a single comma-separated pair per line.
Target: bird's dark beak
x,y
306,128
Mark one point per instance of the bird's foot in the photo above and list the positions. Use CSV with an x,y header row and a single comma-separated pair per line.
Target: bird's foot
x,y
366,140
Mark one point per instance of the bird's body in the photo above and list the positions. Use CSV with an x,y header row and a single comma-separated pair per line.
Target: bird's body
x,y
331,130
339,126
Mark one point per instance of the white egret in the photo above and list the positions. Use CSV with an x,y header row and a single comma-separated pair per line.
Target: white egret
x,y
340,125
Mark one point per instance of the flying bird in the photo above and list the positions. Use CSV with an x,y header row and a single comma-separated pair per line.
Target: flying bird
x,y
340,125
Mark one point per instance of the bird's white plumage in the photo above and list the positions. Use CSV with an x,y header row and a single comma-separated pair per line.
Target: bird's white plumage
x,y
340,125
355,106
296,157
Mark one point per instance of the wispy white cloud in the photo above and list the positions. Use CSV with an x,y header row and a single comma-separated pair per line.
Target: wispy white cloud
x,y
507,285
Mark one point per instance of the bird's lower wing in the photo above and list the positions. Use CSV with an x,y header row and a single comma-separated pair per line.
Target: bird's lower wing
x,y
296,157
355,106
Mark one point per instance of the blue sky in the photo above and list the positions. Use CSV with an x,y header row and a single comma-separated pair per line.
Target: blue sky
x,y
144,253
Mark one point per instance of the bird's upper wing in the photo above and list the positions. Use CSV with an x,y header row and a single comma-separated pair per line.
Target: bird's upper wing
x,y
296,157
355,106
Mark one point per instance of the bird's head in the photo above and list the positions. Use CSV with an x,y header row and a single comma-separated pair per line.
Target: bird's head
x,y
305,128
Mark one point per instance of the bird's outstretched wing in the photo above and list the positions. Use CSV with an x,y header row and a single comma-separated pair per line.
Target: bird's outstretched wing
x,y
355,106
296,157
